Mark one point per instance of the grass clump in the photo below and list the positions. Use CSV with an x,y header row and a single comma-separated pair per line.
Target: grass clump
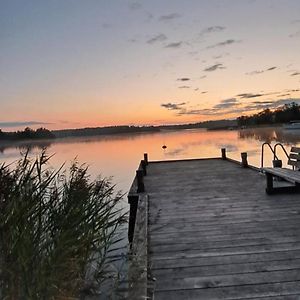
x,y
57,229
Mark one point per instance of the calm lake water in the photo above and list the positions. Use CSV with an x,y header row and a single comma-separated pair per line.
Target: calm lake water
x,y
119,155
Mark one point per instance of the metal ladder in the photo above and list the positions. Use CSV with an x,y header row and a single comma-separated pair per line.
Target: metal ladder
x,y
273,150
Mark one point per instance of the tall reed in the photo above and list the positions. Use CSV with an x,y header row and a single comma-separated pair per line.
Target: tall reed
x,y
56,230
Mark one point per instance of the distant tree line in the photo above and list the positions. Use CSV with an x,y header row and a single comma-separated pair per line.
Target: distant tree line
x,y
43,133
215,124
283,114
27,134
94,131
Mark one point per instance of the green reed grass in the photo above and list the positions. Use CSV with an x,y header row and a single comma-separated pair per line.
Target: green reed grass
x,y
56,230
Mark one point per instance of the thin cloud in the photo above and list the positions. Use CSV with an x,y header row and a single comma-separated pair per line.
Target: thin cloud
x,y
212,29
232,106
173,106
217,109
228,106
157,38
269,104
272,93
169,17
254,72
174,45
214,68
249,95
261,71
262,102
227,103
221,55
258,105
295,90
22,123
225,43
284,95
229,100
190,112
183,79
204,112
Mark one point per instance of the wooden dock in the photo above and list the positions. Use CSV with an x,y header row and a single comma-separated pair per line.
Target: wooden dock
x,y
207,230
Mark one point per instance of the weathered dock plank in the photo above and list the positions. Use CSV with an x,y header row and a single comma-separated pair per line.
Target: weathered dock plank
x,y
241,292
213,233
224,269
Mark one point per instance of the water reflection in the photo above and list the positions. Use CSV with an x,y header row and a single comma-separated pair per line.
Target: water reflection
x,y
175,152
44,144
266,134
271,134
26,146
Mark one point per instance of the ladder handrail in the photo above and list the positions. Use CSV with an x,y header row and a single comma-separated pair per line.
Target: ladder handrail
x,y
262,153
273,150
282,147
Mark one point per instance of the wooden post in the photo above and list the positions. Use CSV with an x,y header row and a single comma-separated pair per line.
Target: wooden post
x,y
140,181
244,159
133,201
269,189
146,158
144,167
223,150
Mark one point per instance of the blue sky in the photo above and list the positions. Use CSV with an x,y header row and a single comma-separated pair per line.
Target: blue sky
x,y
72,63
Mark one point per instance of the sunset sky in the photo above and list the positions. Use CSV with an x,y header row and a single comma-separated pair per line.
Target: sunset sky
x,y
79,63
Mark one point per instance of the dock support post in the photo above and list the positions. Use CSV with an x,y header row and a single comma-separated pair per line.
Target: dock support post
x,y
223,150
140,181
146,158
133,202
269,178
144,167
244,159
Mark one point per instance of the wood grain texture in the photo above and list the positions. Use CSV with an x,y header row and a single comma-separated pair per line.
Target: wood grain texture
x,y
213,233
287,174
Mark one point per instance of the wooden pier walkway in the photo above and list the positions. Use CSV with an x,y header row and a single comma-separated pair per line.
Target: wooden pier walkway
x,y
213,233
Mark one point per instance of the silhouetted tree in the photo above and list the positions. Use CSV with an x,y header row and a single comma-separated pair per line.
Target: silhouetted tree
x,y
27,133
286,113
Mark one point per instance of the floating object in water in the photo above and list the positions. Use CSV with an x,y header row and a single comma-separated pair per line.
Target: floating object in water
x,y
164,147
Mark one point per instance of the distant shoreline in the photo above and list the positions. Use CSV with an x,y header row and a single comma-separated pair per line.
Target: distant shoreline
x,y
45,134
89,138
42,134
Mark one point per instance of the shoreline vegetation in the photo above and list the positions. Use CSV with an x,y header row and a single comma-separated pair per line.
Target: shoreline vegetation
x,y
278,116
59,232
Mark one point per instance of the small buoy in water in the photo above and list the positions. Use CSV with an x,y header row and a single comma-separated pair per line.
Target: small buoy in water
x,y
164,147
